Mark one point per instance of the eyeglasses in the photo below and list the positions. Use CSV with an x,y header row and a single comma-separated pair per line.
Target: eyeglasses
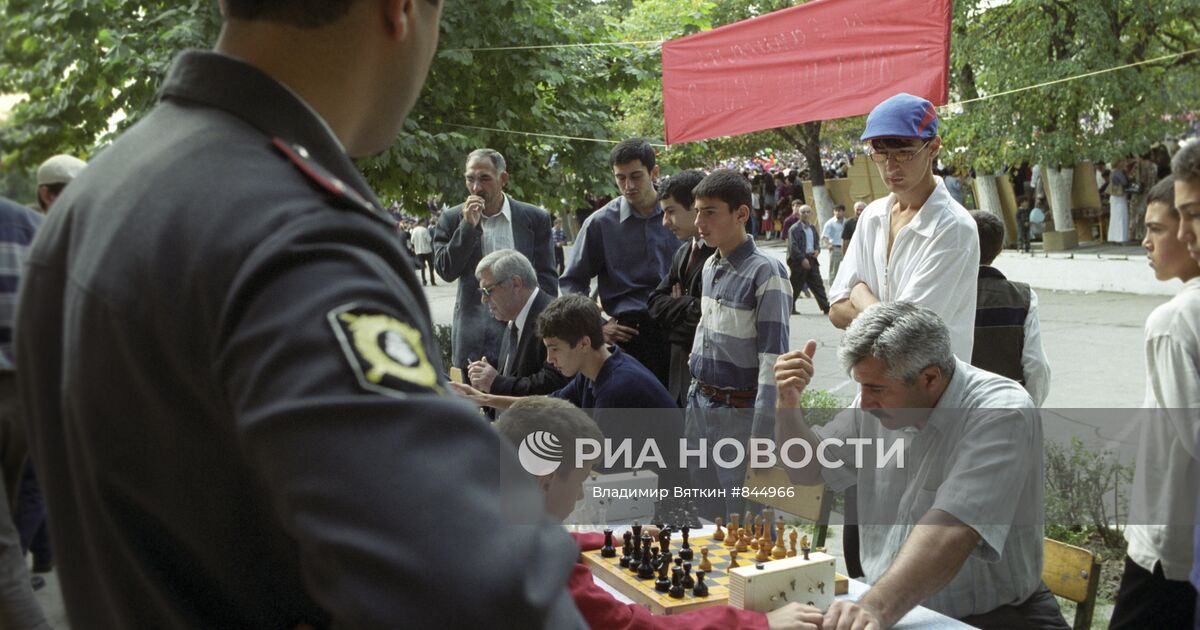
x,y
900,157
487,291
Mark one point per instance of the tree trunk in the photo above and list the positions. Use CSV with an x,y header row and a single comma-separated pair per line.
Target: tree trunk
x,y
1058,189
987,195
807,139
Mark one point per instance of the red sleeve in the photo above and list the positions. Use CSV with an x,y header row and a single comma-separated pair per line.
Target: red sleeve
x,y
605,612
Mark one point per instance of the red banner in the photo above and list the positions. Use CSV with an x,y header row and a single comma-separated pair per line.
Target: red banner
x,y
818,61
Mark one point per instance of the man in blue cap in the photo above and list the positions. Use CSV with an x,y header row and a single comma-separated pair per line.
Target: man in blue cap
x,y
917,244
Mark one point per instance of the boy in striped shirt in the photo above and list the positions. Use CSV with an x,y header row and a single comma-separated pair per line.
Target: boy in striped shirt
x,y
743,328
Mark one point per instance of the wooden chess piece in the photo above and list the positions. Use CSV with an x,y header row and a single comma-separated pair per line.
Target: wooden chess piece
x,y
676,584
645,570
804,549
701,589
743,545
705,565
688,582
627,550
608,551
779,551
719,535
733,563
685,550
792,539
762,555
732,539
663,583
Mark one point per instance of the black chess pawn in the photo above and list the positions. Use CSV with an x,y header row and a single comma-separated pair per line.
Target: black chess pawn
x,y
663,584
676,584
636,558
688,582
701,589
608,551
665,558
645,570
685,551
627,550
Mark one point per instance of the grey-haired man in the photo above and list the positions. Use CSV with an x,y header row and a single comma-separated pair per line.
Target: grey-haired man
x,y
957,526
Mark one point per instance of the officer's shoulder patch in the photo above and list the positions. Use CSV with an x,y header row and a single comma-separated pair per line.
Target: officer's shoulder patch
x,y
386,354
325,180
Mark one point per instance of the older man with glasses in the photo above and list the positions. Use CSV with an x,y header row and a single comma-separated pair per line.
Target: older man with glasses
x,y
917,244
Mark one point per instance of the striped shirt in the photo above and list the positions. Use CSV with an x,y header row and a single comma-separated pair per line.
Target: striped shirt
x,y
17,226
744,313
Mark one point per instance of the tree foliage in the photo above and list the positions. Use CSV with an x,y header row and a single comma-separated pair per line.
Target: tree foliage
x,y
1004,47
89,68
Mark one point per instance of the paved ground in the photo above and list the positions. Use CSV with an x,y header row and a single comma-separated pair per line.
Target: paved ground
x,y
1093,341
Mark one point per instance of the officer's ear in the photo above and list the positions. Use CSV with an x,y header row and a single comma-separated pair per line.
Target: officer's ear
x,y
398,16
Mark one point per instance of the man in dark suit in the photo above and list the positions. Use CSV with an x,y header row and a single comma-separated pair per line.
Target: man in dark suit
x,y
487,221
508,286
675,304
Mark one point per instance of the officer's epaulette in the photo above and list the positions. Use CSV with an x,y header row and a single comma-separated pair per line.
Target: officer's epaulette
x,y
321,177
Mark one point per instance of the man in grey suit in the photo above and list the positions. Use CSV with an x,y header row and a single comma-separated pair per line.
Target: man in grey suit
x,y
489,220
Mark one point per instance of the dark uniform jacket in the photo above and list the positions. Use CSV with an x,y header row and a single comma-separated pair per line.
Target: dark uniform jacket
x,y
237,408
527,372
458,248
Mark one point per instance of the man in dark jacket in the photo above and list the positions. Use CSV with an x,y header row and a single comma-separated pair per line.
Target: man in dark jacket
x,y
675,303
489,220
508,286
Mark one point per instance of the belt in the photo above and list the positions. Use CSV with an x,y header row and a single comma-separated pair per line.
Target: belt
x,y
740,398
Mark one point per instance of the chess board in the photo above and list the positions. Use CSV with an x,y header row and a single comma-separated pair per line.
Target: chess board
x,y
642,591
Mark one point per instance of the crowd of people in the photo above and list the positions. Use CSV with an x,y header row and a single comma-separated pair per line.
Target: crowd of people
x,y
223,369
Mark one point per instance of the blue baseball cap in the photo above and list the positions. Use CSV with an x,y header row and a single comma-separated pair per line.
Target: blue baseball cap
x,y
902,116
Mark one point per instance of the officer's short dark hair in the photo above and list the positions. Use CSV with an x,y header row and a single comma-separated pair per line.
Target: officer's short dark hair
x,y
727,186
1164,192
631,150
839,206
565,421
679,187
302,13
1186,163
991,235
571,318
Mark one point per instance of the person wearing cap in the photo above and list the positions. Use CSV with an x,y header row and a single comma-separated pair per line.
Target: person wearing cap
x,y
917,244
53,175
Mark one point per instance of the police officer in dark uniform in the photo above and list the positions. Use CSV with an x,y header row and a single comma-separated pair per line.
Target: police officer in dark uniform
x,y
236,403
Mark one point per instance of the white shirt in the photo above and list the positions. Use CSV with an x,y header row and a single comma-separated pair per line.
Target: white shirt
x,y
1034,363
422,240
833,231
524,315
979,459
934,262
497,229
1163,499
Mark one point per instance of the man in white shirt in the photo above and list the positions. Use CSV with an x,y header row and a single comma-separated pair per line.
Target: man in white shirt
x,y
1155,592
831,237
422,244
917,244
1008,335
956,524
